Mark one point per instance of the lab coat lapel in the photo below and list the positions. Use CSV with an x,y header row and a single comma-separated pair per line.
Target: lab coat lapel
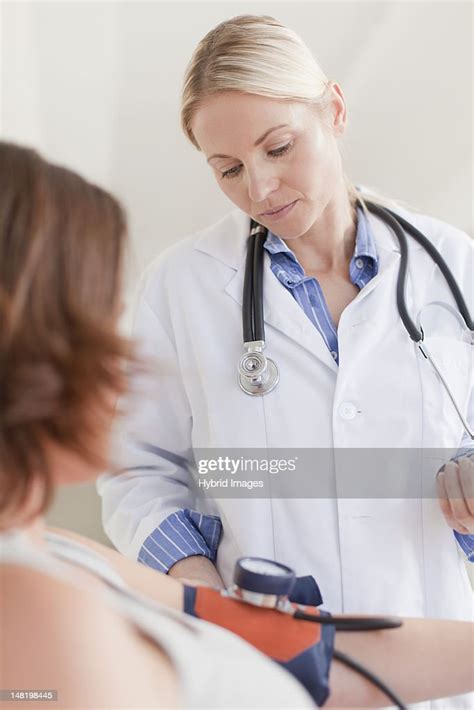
x,y
282,312
227,242
388,252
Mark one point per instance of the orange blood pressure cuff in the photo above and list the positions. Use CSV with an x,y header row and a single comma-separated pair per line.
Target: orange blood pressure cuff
x,y
303,648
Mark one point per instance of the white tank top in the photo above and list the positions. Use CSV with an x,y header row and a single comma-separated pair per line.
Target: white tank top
x,y
215,668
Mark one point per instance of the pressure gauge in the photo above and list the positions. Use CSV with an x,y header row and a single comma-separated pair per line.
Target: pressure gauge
x,y
262,582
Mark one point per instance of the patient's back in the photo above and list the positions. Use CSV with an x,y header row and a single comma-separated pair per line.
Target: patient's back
x,y
102,645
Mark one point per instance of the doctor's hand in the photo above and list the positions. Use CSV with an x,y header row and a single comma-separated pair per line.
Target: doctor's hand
x,y
455,484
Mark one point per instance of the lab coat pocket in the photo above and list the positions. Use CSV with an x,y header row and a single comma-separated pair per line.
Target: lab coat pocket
x,y
453,358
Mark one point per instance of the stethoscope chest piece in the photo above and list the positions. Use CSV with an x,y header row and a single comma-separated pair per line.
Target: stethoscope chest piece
x,y
257,373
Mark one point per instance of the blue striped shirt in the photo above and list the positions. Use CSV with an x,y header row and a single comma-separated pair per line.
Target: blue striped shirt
x,y
306,289
186,532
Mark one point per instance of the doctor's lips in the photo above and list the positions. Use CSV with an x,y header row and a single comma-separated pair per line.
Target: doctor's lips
x,y
279,212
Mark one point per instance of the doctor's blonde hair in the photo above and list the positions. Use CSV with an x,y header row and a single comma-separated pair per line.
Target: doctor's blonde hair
x,y
257,54
254,54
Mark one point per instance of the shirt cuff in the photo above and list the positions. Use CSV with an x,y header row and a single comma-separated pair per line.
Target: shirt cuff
x,y
182,534
463,451
465,542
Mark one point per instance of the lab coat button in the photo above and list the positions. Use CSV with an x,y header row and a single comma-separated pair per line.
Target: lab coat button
x,y
334,354
347,410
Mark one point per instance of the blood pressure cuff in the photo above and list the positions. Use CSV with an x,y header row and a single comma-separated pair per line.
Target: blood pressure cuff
x,y
306,591
303,648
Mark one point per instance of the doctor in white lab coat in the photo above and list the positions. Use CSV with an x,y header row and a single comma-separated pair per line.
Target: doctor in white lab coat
x,y
350,377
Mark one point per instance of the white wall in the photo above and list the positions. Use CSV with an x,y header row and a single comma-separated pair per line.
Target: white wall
x,y
96,85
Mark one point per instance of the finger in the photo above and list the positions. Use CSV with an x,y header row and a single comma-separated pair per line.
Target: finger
x,y
466,479
459,509
445,506
443,494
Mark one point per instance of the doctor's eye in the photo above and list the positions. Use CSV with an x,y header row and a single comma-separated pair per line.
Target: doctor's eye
x,y
281,151
232,172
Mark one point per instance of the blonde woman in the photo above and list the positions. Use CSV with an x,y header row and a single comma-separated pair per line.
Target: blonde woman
x,y
268,122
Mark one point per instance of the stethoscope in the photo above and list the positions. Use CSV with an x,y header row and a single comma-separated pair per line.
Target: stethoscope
x,y
259,375
268,584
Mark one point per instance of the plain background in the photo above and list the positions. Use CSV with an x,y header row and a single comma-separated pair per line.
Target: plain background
x,y
96,86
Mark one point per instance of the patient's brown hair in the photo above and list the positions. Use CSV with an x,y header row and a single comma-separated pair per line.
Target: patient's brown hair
x,y
61,247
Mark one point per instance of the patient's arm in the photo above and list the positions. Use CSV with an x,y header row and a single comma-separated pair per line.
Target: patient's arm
x,y
143,579
422,659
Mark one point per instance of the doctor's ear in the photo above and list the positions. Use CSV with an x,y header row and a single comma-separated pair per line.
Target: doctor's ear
x,y
337,114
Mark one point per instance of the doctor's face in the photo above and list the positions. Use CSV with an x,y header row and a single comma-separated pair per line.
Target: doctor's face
x,y
278,161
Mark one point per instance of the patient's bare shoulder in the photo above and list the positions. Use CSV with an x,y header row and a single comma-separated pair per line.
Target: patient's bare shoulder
x,y
56,636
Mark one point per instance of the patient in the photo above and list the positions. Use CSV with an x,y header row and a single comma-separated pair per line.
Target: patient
x,y
76,617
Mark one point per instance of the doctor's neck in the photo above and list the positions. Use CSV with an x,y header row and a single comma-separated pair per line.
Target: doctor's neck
x,y
328,246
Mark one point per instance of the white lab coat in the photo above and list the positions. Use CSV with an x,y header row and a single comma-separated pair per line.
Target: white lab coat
x,y
369,556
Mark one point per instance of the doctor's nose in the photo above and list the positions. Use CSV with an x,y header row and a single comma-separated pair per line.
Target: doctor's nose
x,y
261,185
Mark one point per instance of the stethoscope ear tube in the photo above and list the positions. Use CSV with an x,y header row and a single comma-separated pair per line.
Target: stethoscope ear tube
x,y
392,222
444,268
398,224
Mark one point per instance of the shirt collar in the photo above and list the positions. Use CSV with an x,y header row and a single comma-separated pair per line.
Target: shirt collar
x,y
364,244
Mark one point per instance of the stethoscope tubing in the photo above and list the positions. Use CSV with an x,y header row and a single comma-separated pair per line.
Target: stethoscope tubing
x,y
253,382
444,268
398,224
252,310
247,296
259,328
252,301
